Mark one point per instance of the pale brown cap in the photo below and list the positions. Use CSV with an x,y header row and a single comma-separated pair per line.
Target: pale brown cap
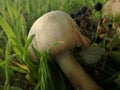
x,y
56,26
112,8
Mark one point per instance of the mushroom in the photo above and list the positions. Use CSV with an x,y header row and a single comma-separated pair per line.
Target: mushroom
x,y
112,8
58,26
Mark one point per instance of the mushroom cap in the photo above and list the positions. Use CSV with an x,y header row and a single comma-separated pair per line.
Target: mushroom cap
x,y
52,27
112,8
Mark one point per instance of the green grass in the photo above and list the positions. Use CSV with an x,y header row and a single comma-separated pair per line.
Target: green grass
x,y
16,18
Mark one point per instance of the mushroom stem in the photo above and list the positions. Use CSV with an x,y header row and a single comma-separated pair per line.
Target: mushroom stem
x,y
75,73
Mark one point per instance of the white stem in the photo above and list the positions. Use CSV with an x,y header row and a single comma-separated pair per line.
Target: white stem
x,y
75,73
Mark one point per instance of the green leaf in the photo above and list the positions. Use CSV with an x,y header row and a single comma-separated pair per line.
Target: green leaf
x,y
92,55
117,80
115,55
15,88
1,87
2,63
115,42
18,69
7,51
7,28
29,40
